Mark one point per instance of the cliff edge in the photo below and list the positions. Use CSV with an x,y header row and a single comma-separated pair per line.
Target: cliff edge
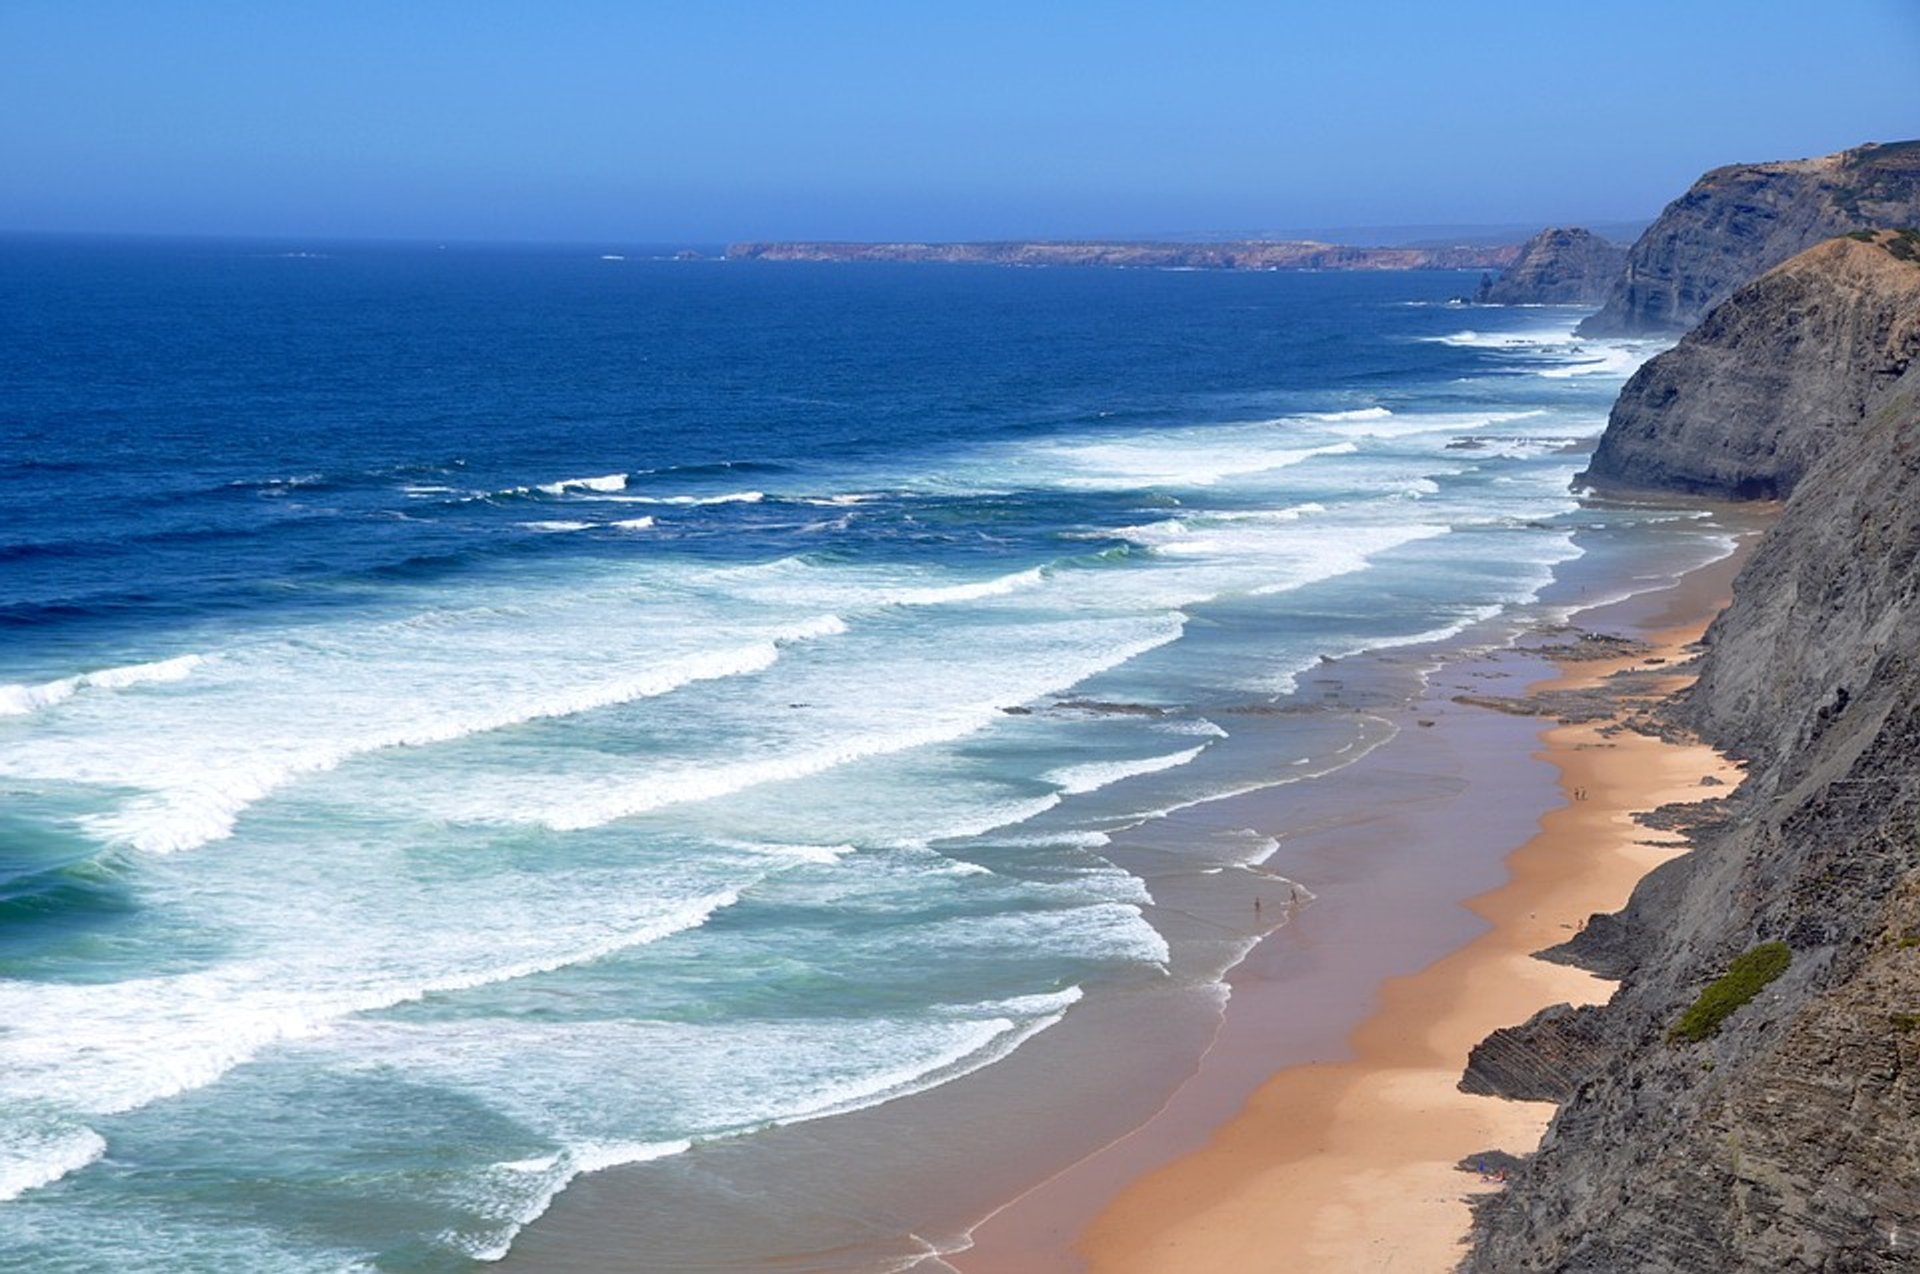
x,y
1786,1137
1740,221
1746,403
1558,266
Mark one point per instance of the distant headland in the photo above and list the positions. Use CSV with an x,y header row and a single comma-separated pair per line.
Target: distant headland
x,y
1245,254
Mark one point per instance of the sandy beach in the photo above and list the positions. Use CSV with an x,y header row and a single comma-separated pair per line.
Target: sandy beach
x,y
1353,1166
1350,1160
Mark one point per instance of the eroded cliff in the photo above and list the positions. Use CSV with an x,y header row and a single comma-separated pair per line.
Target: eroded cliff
x,y
1740,221
1748,400
1789,1140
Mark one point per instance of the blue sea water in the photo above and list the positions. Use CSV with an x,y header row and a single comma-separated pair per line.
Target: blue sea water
x,y
474,716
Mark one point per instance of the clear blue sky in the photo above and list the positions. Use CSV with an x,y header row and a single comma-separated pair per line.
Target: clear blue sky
x,y
708,120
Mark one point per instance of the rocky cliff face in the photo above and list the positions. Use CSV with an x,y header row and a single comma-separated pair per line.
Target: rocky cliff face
x,y
1558,267
1750,399
1737,222
1790,1141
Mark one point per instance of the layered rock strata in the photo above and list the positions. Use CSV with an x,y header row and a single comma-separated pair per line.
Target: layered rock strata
x,y
1748,401
1740,221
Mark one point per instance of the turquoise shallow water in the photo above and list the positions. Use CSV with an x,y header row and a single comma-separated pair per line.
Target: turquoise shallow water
x,y
473,717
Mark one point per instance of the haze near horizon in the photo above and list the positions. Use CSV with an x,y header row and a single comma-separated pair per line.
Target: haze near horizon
x,y
657,123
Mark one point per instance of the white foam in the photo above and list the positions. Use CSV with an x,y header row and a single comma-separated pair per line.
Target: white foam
x,y
684,501
202,807
804,853
605,482
1612,360
1189,460
517,1208
20,700
968,592
774,1078
42,1153
575,802
557,526
91,1049
1358,413
1198,725
851,497
632,524
1075,780
1535,339
690,784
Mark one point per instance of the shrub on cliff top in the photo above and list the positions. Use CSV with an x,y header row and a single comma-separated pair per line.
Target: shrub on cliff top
x,y
1745,978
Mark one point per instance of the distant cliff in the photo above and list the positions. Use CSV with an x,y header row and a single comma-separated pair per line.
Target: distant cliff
x,y
1250,254
1737,222
1750,399
1558,267
1789,1140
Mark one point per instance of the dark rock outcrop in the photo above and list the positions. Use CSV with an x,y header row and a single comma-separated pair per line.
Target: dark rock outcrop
x,y
1751,398
1543,1059
1790,1141
1740,221
1558,267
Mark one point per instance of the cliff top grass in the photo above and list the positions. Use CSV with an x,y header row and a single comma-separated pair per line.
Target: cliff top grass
x,y
1902,244
1745,978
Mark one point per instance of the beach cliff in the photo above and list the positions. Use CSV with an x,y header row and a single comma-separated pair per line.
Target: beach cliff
x,y
1749,400
1737,222
1786,1135
1558,266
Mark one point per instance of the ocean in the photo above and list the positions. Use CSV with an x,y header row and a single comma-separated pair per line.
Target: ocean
x,y
474,716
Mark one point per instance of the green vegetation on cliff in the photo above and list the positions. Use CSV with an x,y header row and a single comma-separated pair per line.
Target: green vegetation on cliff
x,y
1745,978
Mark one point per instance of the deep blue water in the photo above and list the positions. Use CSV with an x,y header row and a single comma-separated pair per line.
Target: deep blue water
x,y
470,716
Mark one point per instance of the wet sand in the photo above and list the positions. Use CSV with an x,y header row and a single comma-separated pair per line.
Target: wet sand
x,y
1140,1075
1347,1161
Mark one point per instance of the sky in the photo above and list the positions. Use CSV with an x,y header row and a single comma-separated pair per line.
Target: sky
x,y
708,121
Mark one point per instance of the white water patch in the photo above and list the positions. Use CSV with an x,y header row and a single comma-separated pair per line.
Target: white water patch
x,y
552,527
1356,413
198,784
603,483
515,1194
21,700
1570,355
776,1073
39,1151
85,1050
632,524
847,498
1197,460
944,594
804,853
977,682
689,501
1610,359
1076,780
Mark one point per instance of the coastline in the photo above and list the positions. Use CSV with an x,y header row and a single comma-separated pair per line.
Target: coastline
x,y
1324,1140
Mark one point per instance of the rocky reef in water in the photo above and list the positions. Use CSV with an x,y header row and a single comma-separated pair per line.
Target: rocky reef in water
x,y
1787,1139
1740,221
1558,266
1248,254
1749,400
